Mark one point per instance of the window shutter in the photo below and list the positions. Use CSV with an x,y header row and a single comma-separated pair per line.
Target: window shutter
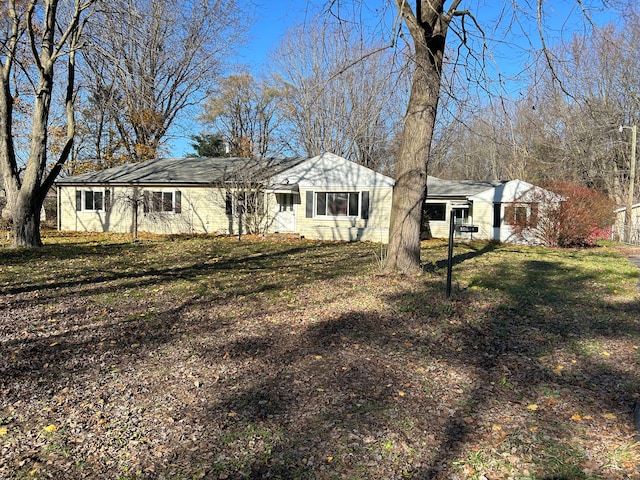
x,y
364,206
177,205
156,202
496,215
533,220
145,202
78,200
107,199
228,204
98,200
309,206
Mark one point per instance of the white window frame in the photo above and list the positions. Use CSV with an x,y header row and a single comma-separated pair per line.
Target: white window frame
x,y
158,198
85,195
326,195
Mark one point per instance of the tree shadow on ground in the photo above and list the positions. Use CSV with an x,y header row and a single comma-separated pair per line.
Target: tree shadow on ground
x,y
476,250
547,339
42,303
406,389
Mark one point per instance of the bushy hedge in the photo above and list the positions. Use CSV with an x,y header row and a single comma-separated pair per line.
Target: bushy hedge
x,y
585,216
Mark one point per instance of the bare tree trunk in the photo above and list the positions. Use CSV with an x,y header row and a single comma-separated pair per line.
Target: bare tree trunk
x,y
26,221
26,215
48,43
10,177
8,165
428,29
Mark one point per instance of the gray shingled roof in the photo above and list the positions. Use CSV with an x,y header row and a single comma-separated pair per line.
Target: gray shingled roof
x,y
436,187
188,171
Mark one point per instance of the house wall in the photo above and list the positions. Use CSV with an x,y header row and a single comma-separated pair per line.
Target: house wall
x,y
619,227
483,219
373,229
202,211
85,220
480,215
539,204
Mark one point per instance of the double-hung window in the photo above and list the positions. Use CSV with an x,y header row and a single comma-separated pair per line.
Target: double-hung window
x,y
521,214
92,200
163,202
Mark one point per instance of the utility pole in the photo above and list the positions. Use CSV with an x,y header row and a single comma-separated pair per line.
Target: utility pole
x,y
632,182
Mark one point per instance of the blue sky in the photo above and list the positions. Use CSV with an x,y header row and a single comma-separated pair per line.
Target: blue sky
x,y
274,17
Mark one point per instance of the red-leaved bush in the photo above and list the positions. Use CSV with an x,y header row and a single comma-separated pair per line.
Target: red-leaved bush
x,y
584,217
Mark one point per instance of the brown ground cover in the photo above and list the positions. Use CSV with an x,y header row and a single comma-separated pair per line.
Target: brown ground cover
x,y
210,358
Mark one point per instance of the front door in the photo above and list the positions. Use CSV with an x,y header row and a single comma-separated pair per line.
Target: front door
x,y
285,218
461,217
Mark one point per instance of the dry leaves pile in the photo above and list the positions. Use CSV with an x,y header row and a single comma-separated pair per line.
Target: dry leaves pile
x,y
205,358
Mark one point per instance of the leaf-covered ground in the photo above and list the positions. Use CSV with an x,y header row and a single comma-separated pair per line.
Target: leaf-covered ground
x,y
209,358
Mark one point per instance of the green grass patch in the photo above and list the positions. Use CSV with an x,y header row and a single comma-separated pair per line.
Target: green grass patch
x,y
205,357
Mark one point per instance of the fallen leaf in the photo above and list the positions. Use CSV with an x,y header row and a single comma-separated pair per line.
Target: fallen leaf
x,y
532,406
575,417
609,416
401,393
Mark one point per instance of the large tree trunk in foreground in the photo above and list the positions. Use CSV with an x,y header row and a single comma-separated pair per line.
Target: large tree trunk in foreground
x,y
428,29
47,43
26,222
26,214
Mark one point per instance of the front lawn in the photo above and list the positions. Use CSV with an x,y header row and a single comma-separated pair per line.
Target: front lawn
x,y
203,357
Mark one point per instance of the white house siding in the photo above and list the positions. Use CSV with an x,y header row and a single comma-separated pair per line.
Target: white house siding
x,y
480,215
331,173
87,220
373,229
203,211
203,207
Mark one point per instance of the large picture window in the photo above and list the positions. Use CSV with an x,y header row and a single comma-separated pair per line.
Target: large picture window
x,y
338,204
436,212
